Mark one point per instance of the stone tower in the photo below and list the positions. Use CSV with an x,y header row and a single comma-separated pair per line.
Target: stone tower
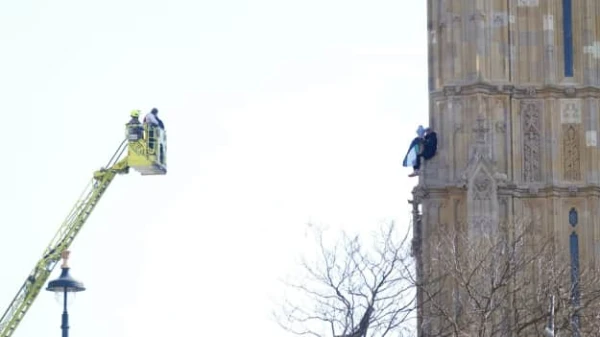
x,y
514,98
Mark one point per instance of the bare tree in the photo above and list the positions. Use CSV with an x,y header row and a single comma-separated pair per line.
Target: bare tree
x,y
502,284
353,289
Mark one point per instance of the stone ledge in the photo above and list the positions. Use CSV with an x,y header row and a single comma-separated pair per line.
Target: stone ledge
x,y
547,191
517,91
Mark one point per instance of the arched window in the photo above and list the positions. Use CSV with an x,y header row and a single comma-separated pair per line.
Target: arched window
x,y
574,249
568,37
573,217
574,252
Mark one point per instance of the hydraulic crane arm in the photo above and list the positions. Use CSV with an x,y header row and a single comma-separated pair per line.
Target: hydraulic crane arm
x,y
146,148
61,241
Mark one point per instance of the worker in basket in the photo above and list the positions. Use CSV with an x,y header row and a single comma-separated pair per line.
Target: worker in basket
x,y
423,146
135,131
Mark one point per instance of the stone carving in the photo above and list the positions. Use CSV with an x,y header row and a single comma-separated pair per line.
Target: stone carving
x,y
482,187
570,91
570,111
481,146
532,141
480,131
572,162
481,224
531,91
451,90
501,178
572,190
482,201
500,145
420,193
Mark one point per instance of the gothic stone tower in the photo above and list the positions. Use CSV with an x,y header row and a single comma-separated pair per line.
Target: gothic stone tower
x,y
514,98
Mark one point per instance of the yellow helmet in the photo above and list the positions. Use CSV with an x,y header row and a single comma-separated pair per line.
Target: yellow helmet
x,y
135,113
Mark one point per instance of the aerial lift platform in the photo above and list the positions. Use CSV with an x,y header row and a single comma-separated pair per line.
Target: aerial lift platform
x,y
144,150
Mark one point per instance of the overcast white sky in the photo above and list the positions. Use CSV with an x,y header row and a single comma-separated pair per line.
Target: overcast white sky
x,y
278,113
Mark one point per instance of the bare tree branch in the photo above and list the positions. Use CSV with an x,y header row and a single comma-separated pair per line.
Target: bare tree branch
x,y
501,285
354,289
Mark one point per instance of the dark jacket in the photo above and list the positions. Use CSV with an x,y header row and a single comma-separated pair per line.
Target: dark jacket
x,y
430,147
160,123
133,121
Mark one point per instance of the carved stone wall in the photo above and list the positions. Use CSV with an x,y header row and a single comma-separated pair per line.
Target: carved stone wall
x,y
531,114
516,104
501,129
517,42
571,155
482,199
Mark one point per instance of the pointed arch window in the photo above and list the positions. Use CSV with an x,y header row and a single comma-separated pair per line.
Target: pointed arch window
x,y
573,217
574,253
574,250
568,37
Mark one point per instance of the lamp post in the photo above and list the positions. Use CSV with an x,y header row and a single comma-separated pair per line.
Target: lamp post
x,y
62,286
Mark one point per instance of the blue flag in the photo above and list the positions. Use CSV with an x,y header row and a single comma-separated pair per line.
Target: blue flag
x,y
411,157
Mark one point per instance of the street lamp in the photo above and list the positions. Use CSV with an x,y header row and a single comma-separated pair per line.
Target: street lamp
x,y
63,285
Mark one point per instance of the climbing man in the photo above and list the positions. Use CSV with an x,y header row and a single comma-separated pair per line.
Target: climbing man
x,y
425,149
135,131
416,147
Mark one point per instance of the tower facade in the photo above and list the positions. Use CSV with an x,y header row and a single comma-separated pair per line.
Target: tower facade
x,y
514,98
